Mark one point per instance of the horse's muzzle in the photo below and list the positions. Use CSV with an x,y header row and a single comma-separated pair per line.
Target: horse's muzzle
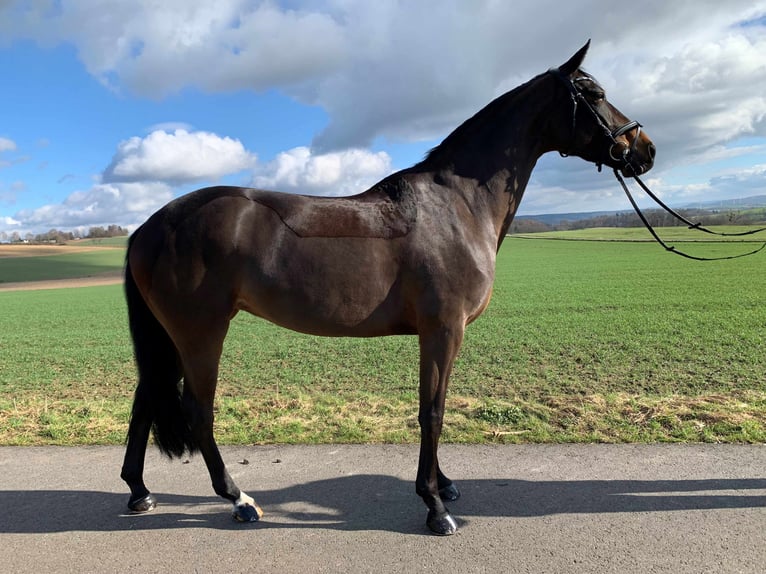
x,y
635,159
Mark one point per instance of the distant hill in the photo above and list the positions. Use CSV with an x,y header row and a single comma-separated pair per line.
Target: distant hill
x,y
742,203
553,219
557,218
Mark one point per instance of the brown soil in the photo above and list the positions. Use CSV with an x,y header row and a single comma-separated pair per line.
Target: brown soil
x,y
111,278
7,250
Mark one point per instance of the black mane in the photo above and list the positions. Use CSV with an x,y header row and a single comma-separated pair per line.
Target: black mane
x,y
482,121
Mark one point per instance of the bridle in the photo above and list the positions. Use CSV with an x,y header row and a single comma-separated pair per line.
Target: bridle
x,y
577,96
624,160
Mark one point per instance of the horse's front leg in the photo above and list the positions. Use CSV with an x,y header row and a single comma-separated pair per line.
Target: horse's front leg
x,y
438,348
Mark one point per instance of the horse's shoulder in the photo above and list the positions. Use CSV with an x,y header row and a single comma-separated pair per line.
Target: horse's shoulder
x,y
386,211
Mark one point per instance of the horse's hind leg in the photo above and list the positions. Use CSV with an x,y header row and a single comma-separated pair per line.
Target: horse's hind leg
x,y
201,374
141,500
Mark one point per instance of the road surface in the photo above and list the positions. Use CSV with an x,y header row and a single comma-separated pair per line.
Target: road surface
x,y
531,508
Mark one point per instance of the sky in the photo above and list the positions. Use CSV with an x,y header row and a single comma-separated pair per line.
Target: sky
x,y
111,108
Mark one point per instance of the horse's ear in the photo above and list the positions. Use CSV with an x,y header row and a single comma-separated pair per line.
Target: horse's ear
x,y
575,61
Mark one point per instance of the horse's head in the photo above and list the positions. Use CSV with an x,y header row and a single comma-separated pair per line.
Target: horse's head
x,y
592,128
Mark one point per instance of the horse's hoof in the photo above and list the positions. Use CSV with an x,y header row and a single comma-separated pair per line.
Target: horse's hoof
x,y
247,513
449,492
442,524
143,504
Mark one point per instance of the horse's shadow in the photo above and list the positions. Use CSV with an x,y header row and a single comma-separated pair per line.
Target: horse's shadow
x,y
373,502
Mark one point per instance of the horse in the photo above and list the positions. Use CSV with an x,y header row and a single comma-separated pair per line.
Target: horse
x,y
414,254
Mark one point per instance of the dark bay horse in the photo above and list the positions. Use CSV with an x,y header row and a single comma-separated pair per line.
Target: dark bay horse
x,y
414,254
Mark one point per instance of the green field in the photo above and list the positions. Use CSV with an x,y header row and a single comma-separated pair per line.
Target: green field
x,y
583,341
670,234
64,266
120,241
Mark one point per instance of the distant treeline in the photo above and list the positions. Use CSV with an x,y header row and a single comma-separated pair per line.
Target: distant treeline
x,y
655,217
58,236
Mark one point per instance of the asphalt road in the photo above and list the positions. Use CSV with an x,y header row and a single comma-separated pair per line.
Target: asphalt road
x,y
552,508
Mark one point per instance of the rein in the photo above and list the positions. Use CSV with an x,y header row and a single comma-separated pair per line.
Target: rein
x,y
697,226
624,158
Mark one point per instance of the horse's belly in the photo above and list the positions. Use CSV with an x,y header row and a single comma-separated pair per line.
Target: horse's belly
x,y
337,297
344,319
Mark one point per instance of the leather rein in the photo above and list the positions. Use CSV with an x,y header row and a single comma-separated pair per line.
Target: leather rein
x,y
624,158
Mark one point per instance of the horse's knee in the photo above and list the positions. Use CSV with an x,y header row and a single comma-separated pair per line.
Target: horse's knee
x,y
431,420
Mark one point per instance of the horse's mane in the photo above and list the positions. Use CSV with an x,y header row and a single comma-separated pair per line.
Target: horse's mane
x,y
475,124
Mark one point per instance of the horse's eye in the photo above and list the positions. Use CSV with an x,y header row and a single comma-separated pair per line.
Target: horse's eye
x,y
598,97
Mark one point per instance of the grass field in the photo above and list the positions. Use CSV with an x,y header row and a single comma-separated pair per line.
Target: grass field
x,y
63,265
679,233
583,341
121,241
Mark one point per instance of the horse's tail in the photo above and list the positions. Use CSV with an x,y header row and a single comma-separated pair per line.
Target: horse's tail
x,y
159,373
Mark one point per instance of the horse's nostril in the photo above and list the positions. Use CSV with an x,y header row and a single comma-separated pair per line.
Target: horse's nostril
x,y
651,150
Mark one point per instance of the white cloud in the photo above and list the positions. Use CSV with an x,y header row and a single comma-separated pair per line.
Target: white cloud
x,y
178,157
602,193
143,176
727,124
102,204
7,145
415,70
691,72
336,173
701,96
170,127
155,48
129,203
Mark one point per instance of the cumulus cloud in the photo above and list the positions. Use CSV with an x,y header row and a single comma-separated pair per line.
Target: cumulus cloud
x,y
145,173
691,72
414,70
102,204
178,157
338,173
155,48
169,127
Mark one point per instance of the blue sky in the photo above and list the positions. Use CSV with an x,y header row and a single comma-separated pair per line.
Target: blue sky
x,y
108,110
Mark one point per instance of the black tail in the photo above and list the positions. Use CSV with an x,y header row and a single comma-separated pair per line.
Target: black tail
x,y
159,374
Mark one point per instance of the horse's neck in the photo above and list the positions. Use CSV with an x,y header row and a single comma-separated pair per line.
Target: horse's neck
x,y
494,191
492,165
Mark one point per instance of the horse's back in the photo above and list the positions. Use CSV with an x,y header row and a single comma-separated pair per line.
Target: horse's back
x,y
386,212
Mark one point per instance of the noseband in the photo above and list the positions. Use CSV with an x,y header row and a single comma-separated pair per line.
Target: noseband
x,y
577,97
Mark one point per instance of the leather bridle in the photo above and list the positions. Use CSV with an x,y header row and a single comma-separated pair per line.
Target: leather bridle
x,y
624,156
624,160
